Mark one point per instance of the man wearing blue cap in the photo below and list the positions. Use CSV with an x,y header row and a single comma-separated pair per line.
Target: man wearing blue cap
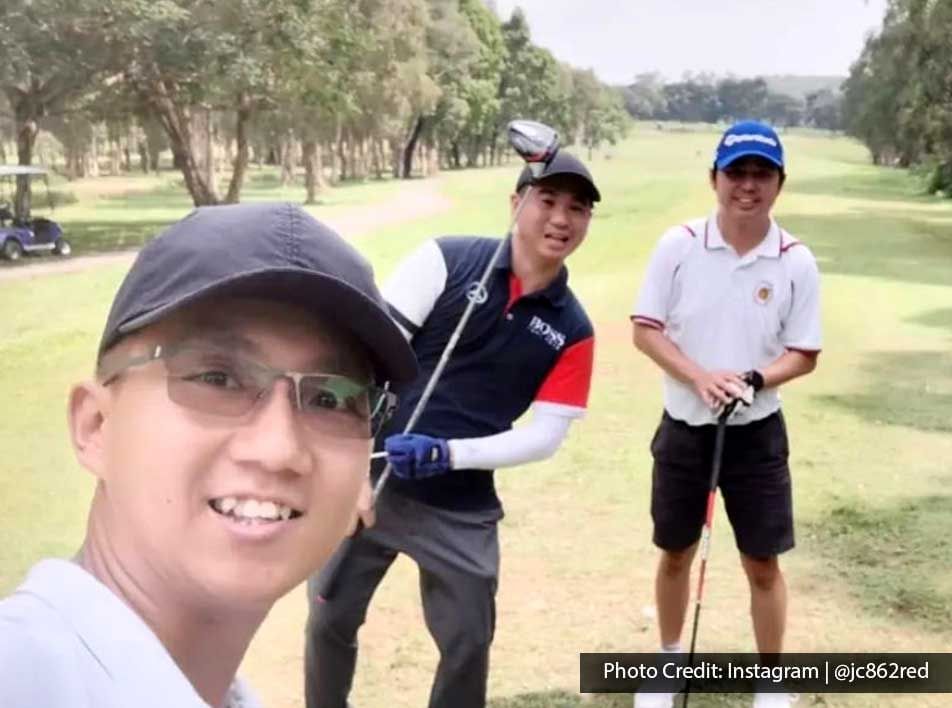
x,y
729,309
530,344
228,426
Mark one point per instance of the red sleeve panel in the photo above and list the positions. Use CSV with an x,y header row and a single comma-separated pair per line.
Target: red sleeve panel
x,y
570,380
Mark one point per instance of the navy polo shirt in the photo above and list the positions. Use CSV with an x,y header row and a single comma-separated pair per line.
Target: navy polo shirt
x,y
515,350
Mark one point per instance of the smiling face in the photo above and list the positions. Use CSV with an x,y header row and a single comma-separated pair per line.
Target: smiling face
x,y
213,507
555,219
747,188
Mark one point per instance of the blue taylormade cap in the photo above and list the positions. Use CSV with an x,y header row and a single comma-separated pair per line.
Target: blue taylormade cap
x,y
270,251
748,138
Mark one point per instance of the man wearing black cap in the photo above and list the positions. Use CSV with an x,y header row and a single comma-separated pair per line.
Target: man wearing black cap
x,y
530,344
238,385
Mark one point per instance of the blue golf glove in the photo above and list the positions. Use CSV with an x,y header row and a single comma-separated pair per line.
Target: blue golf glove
x,y
415,456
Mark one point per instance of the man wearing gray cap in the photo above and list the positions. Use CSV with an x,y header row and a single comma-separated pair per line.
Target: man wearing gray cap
x,y
529,344
239,382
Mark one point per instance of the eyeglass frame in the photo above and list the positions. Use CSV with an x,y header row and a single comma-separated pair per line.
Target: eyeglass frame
x,y
388,398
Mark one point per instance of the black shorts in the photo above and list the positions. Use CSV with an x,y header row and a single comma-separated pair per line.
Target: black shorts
x,y
754,481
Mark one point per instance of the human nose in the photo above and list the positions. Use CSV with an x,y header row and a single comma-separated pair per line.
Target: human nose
x,y
559,215
272,437
748,180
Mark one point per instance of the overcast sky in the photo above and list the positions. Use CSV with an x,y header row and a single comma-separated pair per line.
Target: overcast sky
x,y
622,38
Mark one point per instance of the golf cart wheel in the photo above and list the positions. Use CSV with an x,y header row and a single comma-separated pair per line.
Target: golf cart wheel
x,y
62,247
12,250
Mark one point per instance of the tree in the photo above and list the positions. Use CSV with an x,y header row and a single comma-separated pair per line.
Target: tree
x,y
645,98
824,109
741,98
50,53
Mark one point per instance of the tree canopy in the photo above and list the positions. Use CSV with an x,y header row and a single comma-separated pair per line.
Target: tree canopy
x,y
368,86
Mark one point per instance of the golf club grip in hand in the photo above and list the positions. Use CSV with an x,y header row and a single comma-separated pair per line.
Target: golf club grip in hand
x,y
327,580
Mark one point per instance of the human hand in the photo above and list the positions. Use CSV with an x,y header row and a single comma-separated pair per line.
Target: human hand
x,y
718,388
415,456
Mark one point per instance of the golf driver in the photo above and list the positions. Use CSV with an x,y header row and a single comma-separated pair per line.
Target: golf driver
x,y
706,532
536,143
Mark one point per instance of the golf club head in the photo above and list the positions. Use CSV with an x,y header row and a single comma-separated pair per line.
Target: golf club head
x,y
535,142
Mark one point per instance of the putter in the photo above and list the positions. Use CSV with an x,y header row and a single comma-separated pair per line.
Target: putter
x,y
706,532
536,143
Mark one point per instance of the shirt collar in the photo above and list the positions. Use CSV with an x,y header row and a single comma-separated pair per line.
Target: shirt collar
x,y
130,653
769,247
555,292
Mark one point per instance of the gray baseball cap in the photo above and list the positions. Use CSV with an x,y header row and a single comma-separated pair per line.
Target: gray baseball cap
x,y
267,250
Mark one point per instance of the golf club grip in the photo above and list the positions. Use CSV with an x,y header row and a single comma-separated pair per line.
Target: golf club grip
x,y
327,580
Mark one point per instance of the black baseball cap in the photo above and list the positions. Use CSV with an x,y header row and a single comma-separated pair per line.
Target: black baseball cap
x,y
267,250
562,164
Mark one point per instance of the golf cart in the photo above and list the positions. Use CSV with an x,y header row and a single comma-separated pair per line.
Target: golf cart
x,y
27,235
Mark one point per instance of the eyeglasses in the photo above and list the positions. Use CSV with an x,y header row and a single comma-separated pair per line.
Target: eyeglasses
x,y
217,381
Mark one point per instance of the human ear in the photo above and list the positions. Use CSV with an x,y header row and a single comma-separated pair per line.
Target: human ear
x,y
87,413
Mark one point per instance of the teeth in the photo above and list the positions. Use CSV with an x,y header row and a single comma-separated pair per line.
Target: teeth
x,y
247,508
252,509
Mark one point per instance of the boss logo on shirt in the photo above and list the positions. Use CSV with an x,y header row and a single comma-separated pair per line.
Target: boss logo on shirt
x,y
763,292
553,337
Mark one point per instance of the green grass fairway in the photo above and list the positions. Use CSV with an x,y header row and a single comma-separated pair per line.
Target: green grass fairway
x,y
870,434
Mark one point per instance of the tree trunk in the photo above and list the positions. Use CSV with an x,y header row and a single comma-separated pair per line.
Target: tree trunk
x,y
313,170
115,157
153,139
342,154
433,162
143,148
240,164
410,147
380,158
396,155
352,156
93,170
329,148
176,122
27,130
287,158
208,151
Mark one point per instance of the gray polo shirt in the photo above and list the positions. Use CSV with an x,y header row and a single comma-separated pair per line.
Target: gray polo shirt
x,y
67,640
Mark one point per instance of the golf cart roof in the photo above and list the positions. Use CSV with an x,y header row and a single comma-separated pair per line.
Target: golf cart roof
x,y
16,170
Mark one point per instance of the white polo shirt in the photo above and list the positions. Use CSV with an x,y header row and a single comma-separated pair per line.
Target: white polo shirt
x,y
67,640
729,312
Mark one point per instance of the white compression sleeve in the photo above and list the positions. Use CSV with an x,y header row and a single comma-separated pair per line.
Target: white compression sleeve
x,y
535,441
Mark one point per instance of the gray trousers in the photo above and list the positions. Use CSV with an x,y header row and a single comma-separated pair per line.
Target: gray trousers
x,y
458,556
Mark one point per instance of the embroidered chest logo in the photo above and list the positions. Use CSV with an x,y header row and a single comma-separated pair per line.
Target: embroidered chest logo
x,y
763,293
476,293
553,337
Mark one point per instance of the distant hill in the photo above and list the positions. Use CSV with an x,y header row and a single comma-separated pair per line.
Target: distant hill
x,y
800,86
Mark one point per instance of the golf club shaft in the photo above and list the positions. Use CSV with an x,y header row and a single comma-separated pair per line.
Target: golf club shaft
x,y
706,535
328,578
